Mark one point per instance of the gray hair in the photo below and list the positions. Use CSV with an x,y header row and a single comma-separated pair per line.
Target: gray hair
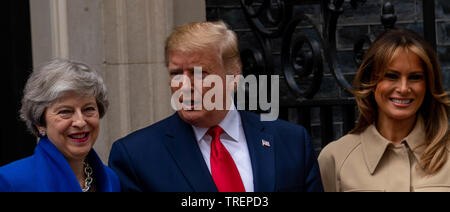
x,y
52,81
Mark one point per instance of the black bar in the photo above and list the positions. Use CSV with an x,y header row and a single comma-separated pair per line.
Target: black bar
x,y
326,124
348,118
304,114
284,113
429,22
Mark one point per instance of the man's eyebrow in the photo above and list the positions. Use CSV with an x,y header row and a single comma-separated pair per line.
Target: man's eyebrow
x,y
174,68
191,68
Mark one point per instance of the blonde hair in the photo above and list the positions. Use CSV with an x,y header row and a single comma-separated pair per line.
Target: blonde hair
x,y
435,107
199,36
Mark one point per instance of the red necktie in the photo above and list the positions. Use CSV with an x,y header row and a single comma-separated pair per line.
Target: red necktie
x,y
223,169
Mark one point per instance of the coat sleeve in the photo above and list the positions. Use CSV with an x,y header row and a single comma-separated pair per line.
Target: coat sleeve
x,y
328,169
313,182
119,161
5,186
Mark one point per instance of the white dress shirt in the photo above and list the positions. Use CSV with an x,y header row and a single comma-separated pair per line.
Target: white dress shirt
x,y
234,140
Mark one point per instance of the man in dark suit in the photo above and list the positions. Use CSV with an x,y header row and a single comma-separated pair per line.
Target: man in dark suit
x,y
203,149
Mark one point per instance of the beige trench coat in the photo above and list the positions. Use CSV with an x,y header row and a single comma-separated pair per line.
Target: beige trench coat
x,y
369,162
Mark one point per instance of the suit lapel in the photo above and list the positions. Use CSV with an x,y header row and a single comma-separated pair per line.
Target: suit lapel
x,y
261,154
184,149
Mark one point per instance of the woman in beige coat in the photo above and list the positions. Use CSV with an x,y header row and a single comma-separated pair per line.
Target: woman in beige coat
x,y
401,140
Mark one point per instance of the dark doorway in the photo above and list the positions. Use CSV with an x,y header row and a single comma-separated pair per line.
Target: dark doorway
x,y
15,141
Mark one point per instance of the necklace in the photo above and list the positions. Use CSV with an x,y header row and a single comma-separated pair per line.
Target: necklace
x,y
88,171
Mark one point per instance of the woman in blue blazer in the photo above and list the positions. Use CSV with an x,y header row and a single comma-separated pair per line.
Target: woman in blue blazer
x,y
62,104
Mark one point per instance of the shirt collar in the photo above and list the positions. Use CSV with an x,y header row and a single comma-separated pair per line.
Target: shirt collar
x,y
374,144
230,124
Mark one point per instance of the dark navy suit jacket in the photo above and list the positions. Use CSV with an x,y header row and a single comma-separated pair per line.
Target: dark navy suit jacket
x,y
165,157
48,171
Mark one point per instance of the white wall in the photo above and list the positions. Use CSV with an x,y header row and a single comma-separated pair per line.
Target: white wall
x,y
124,41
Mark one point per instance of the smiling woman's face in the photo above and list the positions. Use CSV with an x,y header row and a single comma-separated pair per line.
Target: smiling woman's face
x,y
72,125
401,91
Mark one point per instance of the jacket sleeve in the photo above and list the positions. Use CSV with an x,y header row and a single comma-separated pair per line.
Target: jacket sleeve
x,y
313,182
328,169
119,161
5,186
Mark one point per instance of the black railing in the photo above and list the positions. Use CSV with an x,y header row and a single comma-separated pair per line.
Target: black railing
x,y
308,48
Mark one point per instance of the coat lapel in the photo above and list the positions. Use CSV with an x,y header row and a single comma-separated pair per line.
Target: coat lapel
x,y
58,174
261,148
184,149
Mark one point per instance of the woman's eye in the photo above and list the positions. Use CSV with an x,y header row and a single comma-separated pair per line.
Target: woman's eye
x,y
64,112
90,109
390,76
416,77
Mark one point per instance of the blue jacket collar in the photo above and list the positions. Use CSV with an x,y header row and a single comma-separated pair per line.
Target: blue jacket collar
x,y
62,175
261,148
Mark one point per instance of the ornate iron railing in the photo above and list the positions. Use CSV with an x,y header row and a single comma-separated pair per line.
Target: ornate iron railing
x,y
304,57
297,63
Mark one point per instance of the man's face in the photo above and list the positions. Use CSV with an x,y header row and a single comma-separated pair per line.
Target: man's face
x,y
181,66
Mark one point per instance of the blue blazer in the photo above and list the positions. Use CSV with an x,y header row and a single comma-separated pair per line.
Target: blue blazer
x,y
48,171
166,157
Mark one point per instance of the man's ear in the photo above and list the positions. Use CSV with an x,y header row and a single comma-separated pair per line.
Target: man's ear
x,y
236,72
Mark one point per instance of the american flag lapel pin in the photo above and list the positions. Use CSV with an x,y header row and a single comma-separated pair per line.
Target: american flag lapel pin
x,y
265,143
